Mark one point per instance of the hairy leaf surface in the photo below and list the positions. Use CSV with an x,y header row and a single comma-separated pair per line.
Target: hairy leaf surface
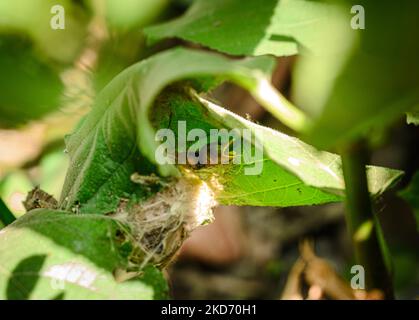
x,y
50,254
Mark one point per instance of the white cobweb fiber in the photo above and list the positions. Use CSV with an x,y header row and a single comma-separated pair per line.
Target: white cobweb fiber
x,y
162,223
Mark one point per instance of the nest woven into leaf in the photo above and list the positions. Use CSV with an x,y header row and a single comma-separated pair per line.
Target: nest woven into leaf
x,y
162,223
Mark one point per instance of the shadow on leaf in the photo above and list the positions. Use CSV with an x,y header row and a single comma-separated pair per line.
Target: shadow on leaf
x,y
24,278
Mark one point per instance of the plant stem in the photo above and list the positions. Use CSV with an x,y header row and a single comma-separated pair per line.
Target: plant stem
x,y
362,224
281,108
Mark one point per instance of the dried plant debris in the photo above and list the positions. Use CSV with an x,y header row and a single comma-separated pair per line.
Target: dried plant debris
x,y
161,224
313,278
39,199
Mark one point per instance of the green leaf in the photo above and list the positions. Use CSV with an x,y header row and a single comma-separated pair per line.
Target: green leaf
x,y
364,81
337,63
117,138
31,20
55,255
411,195
294,173
29,87
249,27
33,54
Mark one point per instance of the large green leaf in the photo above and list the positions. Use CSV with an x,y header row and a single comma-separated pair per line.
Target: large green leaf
x,y
281,28
367,79
411,195
29,87
33,54
293,174
117,138
56,255
31,19
337,62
